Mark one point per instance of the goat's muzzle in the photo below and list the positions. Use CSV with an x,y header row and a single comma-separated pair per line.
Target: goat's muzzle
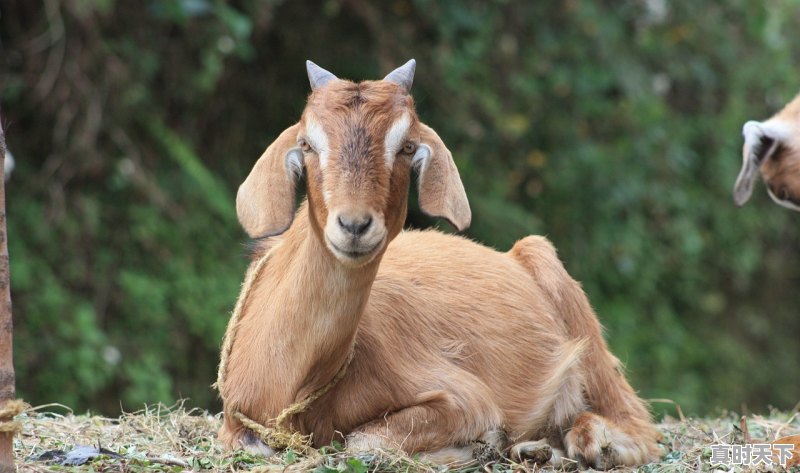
x,y
355,238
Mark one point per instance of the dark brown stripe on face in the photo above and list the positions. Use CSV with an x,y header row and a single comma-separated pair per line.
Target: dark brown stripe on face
x,y
356,148
355,100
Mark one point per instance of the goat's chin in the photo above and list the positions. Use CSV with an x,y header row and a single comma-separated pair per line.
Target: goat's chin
x,y
355,255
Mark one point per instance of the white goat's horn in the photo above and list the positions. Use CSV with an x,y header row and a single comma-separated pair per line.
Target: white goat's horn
x,y
403,75
317,76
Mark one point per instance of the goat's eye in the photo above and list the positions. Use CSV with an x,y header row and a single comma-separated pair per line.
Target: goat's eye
x,y
303,144
409,148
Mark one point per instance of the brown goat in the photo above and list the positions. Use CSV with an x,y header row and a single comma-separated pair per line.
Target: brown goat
x,y
452,342
772,148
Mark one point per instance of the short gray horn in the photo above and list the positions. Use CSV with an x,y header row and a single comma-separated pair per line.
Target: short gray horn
x,y
403,75
318,76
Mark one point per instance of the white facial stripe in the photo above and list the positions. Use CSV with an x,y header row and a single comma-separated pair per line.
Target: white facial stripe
x,y
395,138
318,140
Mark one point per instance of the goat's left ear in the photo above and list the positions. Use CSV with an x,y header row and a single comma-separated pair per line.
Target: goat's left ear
x,y
441,193
265,201
761,140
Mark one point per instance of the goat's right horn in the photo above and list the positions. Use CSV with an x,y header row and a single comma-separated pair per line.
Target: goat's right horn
x,y
403,75
318,76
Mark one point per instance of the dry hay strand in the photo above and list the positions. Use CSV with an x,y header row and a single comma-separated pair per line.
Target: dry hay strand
x,y
177,438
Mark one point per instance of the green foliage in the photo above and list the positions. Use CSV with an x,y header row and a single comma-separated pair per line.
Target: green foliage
x,y
610,127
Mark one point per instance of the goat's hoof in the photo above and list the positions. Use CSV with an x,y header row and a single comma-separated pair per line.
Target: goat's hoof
x,y
255,446
537,451
485,453
496,437
598,443
488,448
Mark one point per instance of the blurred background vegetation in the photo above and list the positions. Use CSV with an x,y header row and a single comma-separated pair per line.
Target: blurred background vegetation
x,y
612,127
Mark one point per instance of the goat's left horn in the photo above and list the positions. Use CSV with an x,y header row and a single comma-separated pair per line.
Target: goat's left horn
x,y
318,76
403,75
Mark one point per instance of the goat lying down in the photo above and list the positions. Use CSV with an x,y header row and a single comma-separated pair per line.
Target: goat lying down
x,y
772,148
452,342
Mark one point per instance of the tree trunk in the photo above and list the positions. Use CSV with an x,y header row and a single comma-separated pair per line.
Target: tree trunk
x,y
7,389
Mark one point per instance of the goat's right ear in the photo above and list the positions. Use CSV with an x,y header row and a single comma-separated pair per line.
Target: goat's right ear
x,y
761,140
265,201
441,193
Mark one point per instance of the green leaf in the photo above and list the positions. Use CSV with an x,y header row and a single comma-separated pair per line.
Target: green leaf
x,y
355,465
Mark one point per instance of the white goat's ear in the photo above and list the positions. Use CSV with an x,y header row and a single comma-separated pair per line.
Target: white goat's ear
x,y
265,201
441,193
761,140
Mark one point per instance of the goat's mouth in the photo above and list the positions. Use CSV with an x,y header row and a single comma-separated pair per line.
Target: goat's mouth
x,y
357,254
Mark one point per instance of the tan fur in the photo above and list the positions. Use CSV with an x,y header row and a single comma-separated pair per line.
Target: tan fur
x,y
778,163
452,341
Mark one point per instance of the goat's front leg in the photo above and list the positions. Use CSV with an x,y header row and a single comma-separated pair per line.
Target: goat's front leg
x,y
442,426
234,435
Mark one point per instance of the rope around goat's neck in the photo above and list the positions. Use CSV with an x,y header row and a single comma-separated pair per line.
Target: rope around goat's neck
x,y
233,324
280,436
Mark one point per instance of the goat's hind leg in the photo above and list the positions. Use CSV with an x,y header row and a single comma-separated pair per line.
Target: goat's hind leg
x,y
442,427
618,430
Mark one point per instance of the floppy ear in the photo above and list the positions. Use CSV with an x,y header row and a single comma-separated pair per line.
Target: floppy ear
x,y
761,140
441,193
265,201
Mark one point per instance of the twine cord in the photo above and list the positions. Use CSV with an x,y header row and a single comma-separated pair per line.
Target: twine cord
x,y
233,325
9,410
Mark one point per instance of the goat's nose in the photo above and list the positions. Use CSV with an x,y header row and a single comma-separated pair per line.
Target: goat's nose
x,y
356,226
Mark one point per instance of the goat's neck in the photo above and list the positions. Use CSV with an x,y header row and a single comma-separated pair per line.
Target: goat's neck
x,y
311,306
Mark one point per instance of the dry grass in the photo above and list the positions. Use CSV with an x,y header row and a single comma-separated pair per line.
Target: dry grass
x,y
179,439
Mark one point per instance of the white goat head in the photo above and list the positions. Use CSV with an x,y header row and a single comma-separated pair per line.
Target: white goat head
x,y
772,148
356,143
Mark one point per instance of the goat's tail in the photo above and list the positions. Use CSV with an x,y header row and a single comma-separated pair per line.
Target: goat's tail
x,y
559,396
605,388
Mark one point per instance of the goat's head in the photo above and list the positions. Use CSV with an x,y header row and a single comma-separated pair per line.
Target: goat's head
x,y
356,144
772,148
